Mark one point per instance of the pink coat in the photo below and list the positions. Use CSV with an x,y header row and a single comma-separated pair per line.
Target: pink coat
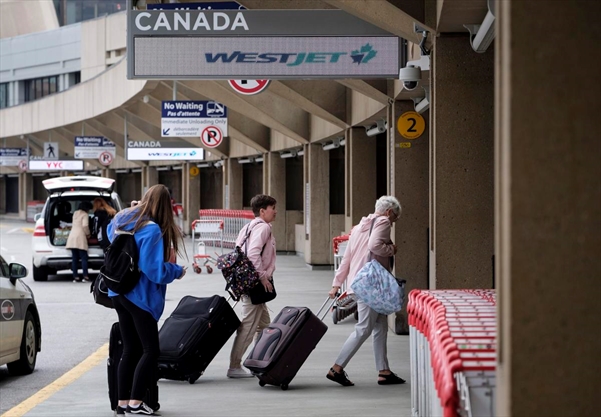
x,y
359,246
260,247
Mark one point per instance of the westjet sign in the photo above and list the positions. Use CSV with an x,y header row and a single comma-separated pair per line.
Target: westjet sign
x,y
257,44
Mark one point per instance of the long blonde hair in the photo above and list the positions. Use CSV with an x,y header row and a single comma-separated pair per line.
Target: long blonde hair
x,y
101,204
156,206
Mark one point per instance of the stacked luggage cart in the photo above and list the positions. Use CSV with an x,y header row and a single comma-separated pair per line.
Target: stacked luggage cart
x,y
233,222
346,304
453,352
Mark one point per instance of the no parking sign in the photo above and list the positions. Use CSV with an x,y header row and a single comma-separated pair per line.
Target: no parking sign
x,y
249,87
211,137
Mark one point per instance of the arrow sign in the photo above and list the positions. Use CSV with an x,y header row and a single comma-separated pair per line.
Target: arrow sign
x,y
166,132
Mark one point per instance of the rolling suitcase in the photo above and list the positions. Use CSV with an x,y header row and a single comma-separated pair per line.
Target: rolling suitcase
x,y
192,336
285,345
115,352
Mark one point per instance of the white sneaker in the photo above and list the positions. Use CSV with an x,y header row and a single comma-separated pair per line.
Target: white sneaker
x,y
238,373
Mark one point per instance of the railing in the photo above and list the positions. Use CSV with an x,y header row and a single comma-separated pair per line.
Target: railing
x,y
233,222
453,352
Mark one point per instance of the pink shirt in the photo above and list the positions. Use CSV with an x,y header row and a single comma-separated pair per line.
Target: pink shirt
x,y
359,246
259,240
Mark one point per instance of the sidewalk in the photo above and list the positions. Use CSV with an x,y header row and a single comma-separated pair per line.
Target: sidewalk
x,y
310,393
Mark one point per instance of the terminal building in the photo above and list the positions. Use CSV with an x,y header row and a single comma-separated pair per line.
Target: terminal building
x,y
498,173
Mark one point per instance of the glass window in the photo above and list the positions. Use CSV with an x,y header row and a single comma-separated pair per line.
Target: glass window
x,y
38,88
4,272
3,95
53,84
45,87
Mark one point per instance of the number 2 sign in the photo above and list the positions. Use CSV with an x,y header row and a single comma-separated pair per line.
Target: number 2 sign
x,y
411,125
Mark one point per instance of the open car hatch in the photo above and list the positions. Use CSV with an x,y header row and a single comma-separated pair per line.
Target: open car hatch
x,y
62,184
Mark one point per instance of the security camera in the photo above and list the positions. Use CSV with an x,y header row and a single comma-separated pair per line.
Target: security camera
x,y
410,76
380,127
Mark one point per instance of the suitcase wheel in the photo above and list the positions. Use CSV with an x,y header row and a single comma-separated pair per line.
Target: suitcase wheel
x,y
335,315
261,383
284,387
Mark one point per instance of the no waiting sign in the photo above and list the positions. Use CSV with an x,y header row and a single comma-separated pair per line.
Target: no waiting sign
x,y
249,87
211,137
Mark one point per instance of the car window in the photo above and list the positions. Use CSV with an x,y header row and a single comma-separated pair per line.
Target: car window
x,y
4,271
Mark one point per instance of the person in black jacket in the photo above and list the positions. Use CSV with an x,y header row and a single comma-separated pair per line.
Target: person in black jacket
x,y
103,214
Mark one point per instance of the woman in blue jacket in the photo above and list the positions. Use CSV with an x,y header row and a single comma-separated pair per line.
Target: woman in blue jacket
x,y
158,240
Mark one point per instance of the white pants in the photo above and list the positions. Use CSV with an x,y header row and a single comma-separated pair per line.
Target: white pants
x,y
254,319
369,322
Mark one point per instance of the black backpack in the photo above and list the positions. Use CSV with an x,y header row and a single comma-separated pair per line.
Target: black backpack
x,y
120,271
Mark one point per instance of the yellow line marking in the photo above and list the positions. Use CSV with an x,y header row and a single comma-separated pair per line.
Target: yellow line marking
x,y
54,387
27,229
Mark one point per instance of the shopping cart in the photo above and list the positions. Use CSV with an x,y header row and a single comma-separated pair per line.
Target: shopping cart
x,y
346,304
206,234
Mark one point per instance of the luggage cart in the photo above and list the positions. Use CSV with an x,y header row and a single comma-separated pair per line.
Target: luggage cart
x,y
205,234
346,304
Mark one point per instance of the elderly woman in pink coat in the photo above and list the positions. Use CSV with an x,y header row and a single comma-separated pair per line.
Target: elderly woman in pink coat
x,y
371,235
78,240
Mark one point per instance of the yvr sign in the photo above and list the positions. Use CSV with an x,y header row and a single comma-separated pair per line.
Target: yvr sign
x,y
257,44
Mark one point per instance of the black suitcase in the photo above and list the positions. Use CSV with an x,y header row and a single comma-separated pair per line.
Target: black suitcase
x,y
115,352
285,345
192,336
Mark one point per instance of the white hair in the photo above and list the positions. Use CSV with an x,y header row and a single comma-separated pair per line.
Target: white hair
x,y
388,202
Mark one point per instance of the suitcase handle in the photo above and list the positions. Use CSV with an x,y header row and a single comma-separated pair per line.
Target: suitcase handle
x,y
319,314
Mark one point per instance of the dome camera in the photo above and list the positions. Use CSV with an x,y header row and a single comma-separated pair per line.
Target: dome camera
x,y
410,76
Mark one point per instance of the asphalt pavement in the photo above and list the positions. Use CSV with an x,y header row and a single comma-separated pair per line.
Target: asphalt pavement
x,y
83,391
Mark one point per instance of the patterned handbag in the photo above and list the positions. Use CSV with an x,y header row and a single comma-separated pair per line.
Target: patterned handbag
x,y
239,272
378,288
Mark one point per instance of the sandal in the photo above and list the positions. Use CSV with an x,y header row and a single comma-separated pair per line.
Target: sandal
x,y
390,379
340,377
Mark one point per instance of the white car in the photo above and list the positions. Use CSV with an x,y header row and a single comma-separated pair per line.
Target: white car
x,y
53,223
20,330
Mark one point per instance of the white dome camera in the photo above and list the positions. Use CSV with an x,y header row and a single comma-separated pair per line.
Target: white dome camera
x,y
410,76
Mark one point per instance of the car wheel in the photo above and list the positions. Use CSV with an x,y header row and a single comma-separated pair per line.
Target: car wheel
x,y
41,273
29,352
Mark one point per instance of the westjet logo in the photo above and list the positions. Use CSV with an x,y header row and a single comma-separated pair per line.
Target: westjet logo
x,y
292,59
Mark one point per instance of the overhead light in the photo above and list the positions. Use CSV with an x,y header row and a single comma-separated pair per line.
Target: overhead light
x,y
218,164
163,168
122,171
332,145
289,154
136,170
342,142
301,152
481,36
177,167
379,127
38,174
245,160
146,99
259,159
422,104
204,165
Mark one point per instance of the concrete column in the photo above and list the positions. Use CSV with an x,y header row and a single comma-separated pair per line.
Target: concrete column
x,y
232,190
3,195
109,173
462,207
409,183
190,194
548,208
360,152
150,177
317,205
25,193
274,170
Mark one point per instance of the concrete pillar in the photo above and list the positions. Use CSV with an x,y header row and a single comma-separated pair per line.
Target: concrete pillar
x,y
109,173
548,208
409,183
150,177
317,205
190,193
462,192
360,153
25,193
232,189
3,195
274,171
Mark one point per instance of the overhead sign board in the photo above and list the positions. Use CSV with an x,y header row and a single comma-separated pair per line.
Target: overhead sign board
x,y
10,157
163,150
207,5
258,44
58,165
185,119
50,150
91,147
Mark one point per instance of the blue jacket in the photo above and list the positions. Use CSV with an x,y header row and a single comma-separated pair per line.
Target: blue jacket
x,y
155,274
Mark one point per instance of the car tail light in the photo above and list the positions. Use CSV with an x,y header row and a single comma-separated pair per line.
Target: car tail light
x,y
39,231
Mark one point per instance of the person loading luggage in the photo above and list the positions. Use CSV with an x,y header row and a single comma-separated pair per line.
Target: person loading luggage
x,y
372,234
260,249
158,240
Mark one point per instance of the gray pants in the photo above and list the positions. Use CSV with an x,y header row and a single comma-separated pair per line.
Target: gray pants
x,y
369,321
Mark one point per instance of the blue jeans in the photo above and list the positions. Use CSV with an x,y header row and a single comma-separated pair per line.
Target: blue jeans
x,y
78,254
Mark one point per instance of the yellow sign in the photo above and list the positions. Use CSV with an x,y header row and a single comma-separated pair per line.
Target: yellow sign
x,y
404,145
411,125
194,171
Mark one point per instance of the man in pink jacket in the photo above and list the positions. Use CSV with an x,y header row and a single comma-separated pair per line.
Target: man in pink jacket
x,y
370,239
260,249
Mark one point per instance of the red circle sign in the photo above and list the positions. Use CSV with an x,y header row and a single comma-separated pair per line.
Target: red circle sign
x,y
211,136
23,165
105,158
249,87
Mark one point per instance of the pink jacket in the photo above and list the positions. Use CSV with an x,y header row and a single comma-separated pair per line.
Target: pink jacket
x,y
259,240
359,246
